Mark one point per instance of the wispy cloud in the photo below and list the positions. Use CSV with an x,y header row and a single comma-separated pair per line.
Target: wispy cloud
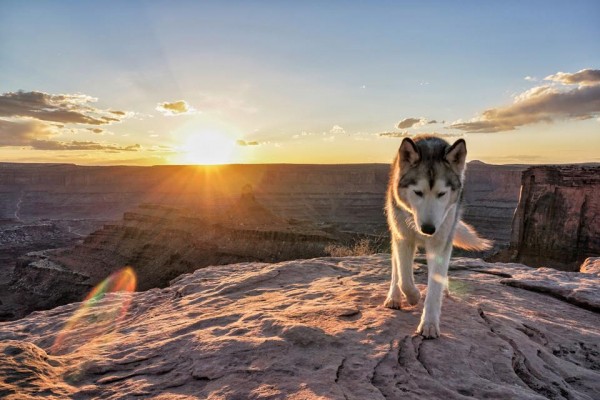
x,y
179,107
541,104
407,134
247,143
83,145
337,130
61,108
393,134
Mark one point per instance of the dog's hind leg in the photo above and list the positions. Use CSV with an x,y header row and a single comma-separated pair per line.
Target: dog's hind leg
x,y
437,263
403,251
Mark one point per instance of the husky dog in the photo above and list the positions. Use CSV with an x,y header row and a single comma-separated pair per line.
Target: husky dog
x,y
422,204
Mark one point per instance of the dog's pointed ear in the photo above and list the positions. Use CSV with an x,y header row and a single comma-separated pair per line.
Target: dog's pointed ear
x,y
456,155
409,153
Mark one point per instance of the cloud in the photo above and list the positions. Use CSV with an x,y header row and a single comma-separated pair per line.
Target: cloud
x,y
539,104
246,143
23,132
38,136
76,145
336,129
62,108
407,134
408,123
180,107
584,77
302,135
394,134
530,78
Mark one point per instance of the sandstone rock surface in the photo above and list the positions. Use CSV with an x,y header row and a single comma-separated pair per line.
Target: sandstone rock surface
x,y
591,265
314,329
556,223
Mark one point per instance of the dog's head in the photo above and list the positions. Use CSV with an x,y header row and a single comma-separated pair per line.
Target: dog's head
x,y
430,178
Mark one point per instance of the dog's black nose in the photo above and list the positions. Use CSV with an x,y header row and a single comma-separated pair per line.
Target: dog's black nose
x,y
428,229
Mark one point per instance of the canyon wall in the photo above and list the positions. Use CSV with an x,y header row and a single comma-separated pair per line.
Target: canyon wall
x,y
349,196
557,222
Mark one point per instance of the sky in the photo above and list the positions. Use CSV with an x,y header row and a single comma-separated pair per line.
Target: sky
x,y
201,82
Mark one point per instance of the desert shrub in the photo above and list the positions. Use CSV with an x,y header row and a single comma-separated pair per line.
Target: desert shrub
x,y
361,247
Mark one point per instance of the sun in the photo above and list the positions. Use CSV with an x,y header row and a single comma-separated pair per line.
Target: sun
x,y
207,148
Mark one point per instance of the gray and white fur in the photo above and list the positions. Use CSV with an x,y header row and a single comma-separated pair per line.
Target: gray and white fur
x,y
423,210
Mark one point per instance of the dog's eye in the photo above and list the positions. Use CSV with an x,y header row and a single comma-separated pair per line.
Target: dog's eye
x,y
441,194
419,193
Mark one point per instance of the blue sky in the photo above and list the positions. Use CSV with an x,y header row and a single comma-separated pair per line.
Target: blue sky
x,y
301,81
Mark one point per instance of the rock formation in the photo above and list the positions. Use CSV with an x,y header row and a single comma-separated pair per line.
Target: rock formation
x,y
557,221
315,329
591,265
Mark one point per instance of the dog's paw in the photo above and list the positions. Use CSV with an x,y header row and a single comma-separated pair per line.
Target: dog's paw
x,y
413,295
429,329
394,303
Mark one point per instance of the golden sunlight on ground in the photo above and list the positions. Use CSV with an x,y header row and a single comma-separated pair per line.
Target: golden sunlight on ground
x,y
207,147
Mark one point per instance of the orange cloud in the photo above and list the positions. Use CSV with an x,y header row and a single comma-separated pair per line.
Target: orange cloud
x,y
179,107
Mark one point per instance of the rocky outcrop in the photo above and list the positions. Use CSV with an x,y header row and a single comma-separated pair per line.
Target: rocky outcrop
x,y
591,265
313,329
556,223
161,243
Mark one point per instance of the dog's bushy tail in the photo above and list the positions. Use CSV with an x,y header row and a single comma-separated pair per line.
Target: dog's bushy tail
x,y
466,238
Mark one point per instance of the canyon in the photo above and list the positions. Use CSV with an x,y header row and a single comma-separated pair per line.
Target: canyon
x,y
349,196
65,228
230,295
169,220
159,243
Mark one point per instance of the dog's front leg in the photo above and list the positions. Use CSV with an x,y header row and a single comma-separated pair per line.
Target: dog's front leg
x,y
403,252
437,263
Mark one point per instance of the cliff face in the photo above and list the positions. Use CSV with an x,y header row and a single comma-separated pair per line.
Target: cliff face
x,y
557,222
315,329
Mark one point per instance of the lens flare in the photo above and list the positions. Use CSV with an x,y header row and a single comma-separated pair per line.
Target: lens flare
x,y
99,314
